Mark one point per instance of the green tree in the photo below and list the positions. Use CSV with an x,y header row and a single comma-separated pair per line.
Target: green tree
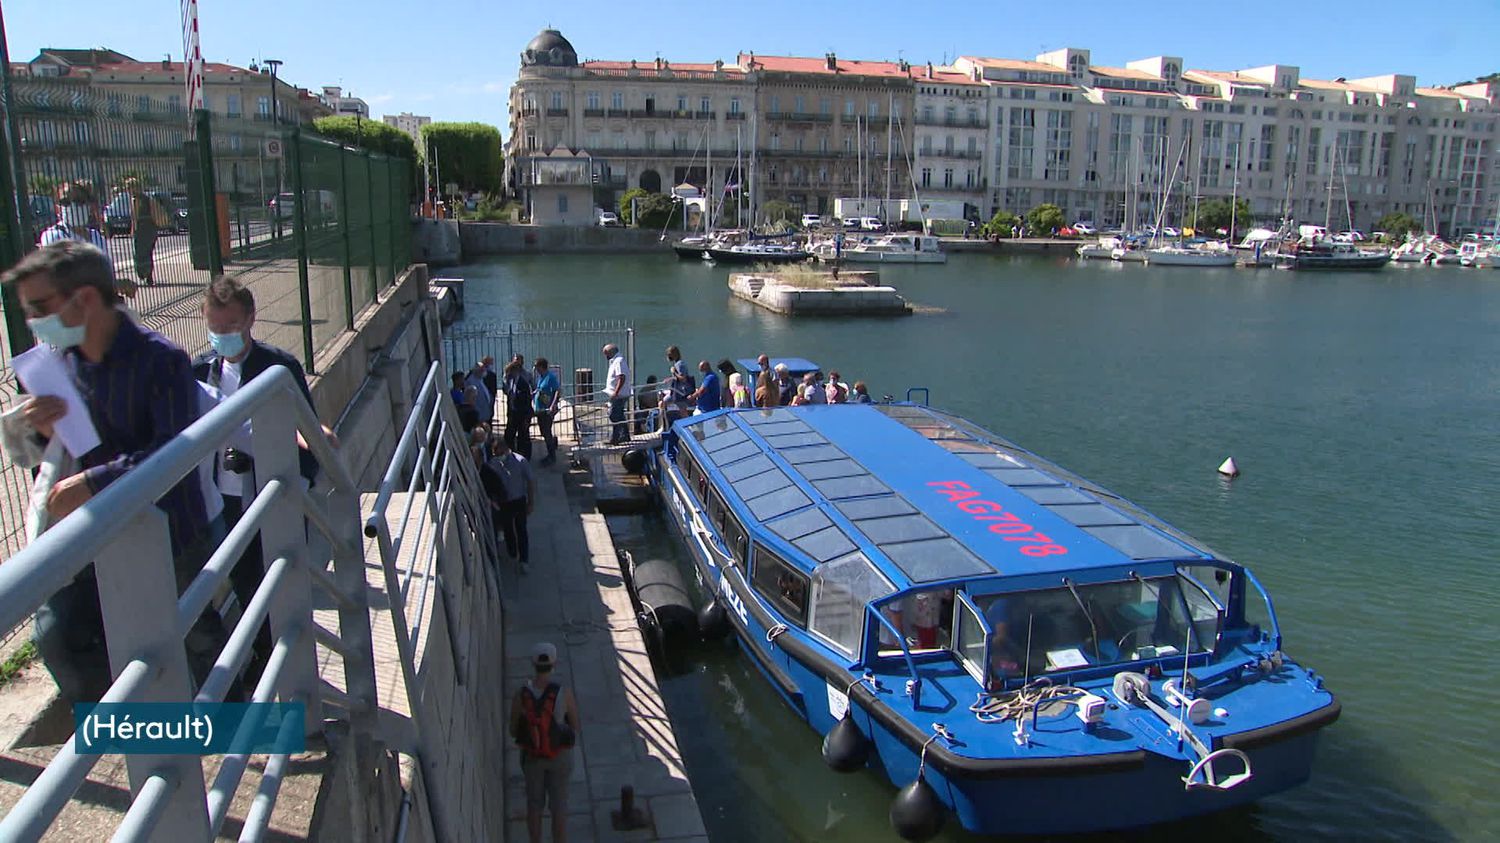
x,y
1002,224
1044,219
655,209
627,204
1215,214
1398,225
367,134
777,211
466,153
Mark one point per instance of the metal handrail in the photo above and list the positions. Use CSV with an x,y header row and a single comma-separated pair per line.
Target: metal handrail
x,y
436,453
169,795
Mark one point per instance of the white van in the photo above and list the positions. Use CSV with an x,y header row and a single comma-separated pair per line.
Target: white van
x,y
870,224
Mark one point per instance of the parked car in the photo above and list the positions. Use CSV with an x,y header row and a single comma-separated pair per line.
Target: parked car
x,y
811,221
609,219
1352,236
851,222
1085,228
178,205
1169,231
117,215
283,206
871,224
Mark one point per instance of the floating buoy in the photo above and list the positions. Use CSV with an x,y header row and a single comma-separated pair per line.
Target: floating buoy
x,y
845,747
1228,468
713,621
664,600
634,460
917,813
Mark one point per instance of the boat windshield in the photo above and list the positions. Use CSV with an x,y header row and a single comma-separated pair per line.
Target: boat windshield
x,y
1082,626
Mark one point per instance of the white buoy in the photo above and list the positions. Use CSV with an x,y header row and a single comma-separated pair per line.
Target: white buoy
x,y
1228,468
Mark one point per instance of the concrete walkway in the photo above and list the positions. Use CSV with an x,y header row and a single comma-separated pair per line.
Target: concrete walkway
x,y
575,598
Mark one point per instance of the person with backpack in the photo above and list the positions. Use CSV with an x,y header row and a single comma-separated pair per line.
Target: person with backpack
x,y
546,742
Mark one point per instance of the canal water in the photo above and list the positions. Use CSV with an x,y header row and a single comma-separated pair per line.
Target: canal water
x,y
1363,409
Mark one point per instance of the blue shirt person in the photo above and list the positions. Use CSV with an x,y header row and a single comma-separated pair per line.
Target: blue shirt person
x,y
707,396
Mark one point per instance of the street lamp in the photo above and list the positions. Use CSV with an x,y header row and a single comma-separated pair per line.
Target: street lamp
x,y
274,64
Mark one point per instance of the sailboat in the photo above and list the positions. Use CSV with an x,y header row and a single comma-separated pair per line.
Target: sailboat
x,y
1316,249
1185,255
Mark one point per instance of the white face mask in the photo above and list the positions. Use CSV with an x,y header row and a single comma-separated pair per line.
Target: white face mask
x,y
75,216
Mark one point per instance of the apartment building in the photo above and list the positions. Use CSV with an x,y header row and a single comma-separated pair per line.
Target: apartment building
x,y
80,112
952,120
652,125
1104,143
347,105
1112,145
407,122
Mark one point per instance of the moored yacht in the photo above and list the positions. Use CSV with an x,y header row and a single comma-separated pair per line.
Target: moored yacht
x,y
1325,253
1099,250
1189,256
898,247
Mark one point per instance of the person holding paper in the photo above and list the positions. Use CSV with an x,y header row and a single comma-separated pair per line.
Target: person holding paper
x,y
139,391
234,359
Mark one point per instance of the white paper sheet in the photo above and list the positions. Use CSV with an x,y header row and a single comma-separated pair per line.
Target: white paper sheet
x,y
44,372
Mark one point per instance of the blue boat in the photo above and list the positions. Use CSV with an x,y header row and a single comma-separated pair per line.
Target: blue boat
x,y
1008,643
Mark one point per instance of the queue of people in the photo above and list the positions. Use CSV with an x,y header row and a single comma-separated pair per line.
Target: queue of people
x,y
141,391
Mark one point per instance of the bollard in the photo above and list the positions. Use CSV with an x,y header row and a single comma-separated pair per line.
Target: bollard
x,y
629,817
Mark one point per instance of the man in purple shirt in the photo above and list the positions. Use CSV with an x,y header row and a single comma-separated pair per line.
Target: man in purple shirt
x,y
140,392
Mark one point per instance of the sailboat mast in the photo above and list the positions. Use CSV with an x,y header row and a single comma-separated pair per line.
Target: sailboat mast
x,y
1234,194
708,182
890,122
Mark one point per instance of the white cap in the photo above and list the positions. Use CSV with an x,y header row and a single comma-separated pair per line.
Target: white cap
x,y
544,655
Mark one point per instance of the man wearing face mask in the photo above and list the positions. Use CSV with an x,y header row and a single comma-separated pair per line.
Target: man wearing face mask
x,y
234,359
140,394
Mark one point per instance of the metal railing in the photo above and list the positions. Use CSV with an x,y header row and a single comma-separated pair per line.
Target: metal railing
x,y
125,537
432,468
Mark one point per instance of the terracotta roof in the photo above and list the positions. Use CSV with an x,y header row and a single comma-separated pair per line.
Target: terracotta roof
x,y
1446,93
649,66
1321,85
945,75
1228,76
171,67
851,67
1124,73
1014,64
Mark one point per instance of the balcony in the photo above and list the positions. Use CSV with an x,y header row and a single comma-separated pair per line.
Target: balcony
x,y
557,112
956,188
735,115
799,117
953,123
616,112
961,154
801,153
593,112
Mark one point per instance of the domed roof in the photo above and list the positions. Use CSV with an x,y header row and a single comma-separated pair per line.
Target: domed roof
x,y
549,48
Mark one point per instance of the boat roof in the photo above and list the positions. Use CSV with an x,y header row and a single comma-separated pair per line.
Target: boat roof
x,y
919,492
794,365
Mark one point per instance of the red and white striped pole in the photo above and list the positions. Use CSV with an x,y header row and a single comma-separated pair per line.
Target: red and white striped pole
x,y
192,57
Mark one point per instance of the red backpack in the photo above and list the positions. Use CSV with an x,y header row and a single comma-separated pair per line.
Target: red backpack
x,y
539,733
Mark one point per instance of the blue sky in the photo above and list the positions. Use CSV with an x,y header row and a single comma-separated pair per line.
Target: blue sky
x,y
455,59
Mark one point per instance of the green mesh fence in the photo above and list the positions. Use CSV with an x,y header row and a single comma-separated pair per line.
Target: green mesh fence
x,y
315,229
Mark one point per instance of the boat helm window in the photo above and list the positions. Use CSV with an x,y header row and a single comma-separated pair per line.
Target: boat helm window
x,y
841,590
1080,626
924,619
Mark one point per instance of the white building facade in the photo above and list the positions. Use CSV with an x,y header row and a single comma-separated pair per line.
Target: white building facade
x,y
1114,146
407,122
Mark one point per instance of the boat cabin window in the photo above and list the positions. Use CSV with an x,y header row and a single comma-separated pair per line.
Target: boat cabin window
x,y
735,538
1056,629
841,590
924,619
781,584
